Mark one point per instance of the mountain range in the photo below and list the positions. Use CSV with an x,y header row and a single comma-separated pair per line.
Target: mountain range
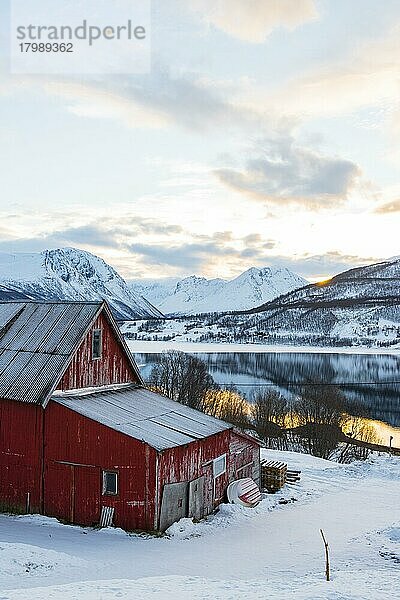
x,y
358,304
195,295
359,307
69,274
72,274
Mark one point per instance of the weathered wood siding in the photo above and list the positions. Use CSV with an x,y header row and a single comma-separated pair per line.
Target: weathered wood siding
x,y
20,455
77,451
244,457
112,367
187,463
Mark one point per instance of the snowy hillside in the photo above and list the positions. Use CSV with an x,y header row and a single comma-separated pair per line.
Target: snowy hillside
x,y
274,551
7,294
70,274
194,295
377,283
358,306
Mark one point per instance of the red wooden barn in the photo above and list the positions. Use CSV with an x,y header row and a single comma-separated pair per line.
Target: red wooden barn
x,y
81,439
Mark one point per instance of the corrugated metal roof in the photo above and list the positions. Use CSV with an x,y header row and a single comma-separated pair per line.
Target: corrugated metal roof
x,y
37,340
8,310
160,422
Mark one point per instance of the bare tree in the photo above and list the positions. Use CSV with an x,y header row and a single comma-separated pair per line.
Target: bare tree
x,y
230,406
183,378
320,412
269,411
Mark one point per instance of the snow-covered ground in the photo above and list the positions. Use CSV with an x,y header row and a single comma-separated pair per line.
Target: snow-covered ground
x,y
274,551
144,346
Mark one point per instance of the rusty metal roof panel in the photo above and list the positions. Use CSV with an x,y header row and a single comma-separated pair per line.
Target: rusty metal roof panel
x,y
144,415
37,340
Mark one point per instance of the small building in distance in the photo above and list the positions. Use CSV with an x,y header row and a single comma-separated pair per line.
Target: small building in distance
x,y
82,439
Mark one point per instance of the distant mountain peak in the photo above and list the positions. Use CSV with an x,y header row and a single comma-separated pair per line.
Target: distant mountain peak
x,y
71,274
194,294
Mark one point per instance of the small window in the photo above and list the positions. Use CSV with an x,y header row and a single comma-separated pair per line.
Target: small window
x,y
110,483
96,343
219,465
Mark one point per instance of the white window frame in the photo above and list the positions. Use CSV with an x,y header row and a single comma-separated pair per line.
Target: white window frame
x,y
100,331
105,492
218,471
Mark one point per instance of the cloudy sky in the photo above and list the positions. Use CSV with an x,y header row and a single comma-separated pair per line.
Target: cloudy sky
x,y
266,133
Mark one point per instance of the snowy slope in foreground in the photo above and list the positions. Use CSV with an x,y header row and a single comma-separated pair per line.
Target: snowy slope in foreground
x,y
71,274
194,295
274,551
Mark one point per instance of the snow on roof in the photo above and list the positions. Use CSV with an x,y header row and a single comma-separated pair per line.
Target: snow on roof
x,y
36,342
144,415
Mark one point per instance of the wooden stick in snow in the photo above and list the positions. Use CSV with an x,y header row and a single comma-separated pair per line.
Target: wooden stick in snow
x,y
327,568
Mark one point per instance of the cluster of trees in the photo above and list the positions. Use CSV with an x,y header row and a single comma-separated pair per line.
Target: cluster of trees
x,y
151,325
316,423
183,378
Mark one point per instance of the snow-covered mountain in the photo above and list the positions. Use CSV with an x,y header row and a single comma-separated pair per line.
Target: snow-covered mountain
x,y
361,305
377,283
69,274
194,295
156,290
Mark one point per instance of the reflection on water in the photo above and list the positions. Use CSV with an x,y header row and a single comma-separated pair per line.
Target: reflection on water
x,y
372,380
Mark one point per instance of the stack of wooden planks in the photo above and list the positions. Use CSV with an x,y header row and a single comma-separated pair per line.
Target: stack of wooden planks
x,y
273,475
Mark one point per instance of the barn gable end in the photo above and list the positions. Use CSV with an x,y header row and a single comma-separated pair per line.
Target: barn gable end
x,y
111,367
45,345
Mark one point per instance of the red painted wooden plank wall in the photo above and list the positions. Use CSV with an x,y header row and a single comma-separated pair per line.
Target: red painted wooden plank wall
x,y
20,455
75,489
112,367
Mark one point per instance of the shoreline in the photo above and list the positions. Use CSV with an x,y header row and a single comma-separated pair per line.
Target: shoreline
x,y
154,347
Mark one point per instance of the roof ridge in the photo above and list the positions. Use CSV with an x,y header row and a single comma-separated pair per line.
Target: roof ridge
x,y
41,302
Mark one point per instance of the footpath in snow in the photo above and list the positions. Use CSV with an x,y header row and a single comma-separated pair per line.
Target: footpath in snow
x,y
274,551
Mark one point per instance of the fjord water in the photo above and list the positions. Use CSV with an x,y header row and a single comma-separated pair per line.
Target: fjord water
x,y
372,380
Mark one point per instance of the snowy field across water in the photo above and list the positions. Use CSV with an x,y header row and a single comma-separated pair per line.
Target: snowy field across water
x,y
274,551
150,347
